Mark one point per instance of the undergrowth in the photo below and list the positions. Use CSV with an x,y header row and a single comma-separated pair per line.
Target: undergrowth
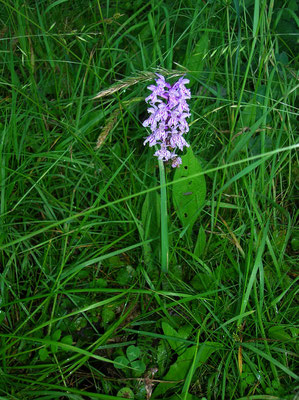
x,y
85,311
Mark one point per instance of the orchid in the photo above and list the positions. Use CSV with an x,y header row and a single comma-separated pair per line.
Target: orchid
x,y
167,121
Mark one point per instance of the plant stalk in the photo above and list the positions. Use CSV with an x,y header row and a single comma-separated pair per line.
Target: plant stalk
x,y
164,220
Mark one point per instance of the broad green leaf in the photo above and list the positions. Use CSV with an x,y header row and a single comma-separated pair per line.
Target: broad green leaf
x,y
183,333
54,348
108,315
133,352
178,371
68,339
189,195
125,275
200,242
250,379
182,367
202,353
139,366
170,331
121,362
278,332
162,356
56,335
195,61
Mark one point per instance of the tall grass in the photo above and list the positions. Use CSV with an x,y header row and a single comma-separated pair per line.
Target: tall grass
x,y
80,202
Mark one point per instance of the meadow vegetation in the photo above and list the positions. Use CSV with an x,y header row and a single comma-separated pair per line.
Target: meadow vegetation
x,y
85,310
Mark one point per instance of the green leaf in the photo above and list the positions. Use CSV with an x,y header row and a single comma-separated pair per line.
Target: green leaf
x,y
182,367
126,393
200,242
101,283
108,315
275,384
178,371
183,333
250,379
189,195
162,356
54,348
115,261
133,352
43,354
80,322
168,330
125,275
279,333
56,335
121,362
202,353
68,339
139,366
195,61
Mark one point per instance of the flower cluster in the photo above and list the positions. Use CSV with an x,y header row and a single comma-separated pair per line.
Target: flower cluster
x,y
168,112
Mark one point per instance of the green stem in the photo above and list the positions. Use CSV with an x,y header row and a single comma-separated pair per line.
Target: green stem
x,y
164,227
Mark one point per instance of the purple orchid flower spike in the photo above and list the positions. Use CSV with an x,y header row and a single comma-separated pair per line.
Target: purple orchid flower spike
x,y
167,121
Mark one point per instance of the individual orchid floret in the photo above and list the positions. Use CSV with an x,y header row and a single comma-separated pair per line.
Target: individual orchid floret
x,y
176,162
167,121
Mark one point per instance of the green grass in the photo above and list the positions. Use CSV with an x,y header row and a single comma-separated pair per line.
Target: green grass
x,y
85,308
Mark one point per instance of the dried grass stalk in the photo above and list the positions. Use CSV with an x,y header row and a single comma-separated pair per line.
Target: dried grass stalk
x,y
141,77
107,128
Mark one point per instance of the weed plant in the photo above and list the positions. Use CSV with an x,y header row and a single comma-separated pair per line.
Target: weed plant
x,y
85,311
